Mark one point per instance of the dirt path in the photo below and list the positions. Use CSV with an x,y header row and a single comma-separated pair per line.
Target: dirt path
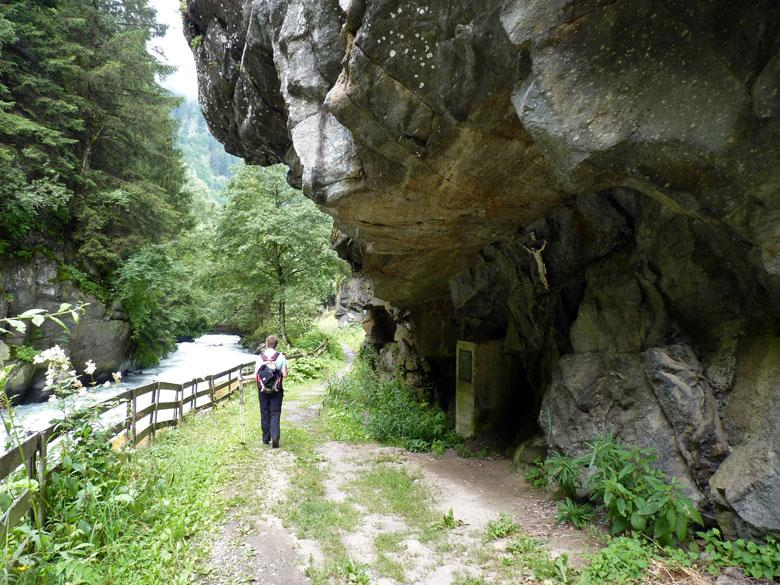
x,y
390,539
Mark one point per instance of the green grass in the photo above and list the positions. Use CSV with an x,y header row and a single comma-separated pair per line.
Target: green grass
x,y
390,490
385,545
306,508
155,510
363,405
146,515
470,580
201,457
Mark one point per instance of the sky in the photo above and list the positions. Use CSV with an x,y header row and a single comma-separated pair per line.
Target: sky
x,y
174,46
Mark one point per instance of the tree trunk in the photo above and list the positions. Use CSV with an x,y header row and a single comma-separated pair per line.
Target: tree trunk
x,y
282,315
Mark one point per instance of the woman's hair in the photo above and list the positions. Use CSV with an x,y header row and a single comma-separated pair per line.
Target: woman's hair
x,y
271,341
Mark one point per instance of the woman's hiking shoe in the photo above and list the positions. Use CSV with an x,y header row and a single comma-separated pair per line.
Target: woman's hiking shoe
x,y
275,443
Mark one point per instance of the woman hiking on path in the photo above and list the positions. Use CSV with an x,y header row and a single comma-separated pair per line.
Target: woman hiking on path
x,y
270,371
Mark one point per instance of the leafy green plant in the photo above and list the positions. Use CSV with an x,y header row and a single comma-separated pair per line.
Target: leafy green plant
x,y
438,447
353,573
449,520
85,283
536,474
501,527
579,515
391,411
462,450
623,561
24,353
637,495
308,368
36,317
761,561
555,570
565,471
523,545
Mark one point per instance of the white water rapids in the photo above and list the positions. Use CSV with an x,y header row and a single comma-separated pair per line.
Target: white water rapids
x,y
208,354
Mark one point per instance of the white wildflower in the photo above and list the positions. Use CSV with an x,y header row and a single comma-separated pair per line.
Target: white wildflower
x,y
54,354
91,367
117,377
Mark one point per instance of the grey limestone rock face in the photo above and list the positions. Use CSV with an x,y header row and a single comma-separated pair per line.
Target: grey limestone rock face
x,y
594,182
352,298
431,129
748,482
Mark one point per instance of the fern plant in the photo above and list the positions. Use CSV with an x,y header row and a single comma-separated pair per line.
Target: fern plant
x,y
578,515
565,471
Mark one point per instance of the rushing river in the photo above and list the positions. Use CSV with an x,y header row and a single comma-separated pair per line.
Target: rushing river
x,y
209,354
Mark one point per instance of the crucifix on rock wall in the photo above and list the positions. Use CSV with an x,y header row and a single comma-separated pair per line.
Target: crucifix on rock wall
x,y
535,248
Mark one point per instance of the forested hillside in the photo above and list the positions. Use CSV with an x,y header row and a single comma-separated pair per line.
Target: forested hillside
x,y
204,157
88,150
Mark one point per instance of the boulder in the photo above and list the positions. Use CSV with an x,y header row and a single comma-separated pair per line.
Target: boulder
x,y
593,395
20,381
529,451
101,335
748,482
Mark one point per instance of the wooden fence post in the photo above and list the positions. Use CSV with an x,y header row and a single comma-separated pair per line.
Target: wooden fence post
x,y
129,414
180,398
133,410
211,392
155,402
35,500
194,394
42,448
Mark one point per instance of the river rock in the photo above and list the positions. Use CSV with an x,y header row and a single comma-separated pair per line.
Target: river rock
x,y
594,183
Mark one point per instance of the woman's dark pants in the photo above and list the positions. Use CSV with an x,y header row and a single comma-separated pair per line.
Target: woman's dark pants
x,y
270,411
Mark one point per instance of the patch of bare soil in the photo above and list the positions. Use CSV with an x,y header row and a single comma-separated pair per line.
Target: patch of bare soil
x,y
477,491
251,549
252,546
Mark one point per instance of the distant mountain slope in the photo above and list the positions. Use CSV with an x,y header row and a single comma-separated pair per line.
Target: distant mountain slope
x,y
204,156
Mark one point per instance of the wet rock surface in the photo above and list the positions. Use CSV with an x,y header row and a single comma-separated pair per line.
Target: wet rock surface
x,y
595,182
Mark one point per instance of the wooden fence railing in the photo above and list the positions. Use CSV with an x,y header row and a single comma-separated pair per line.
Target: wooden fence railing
x,y
149,408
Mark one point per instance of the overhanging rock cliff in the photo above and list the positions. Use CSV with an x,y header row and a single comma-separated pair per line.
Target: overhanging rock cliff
x,y
595,182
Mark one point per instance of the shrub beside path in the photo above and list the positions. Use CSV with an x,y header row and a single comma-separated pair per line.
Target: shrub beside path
x,y
320,511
